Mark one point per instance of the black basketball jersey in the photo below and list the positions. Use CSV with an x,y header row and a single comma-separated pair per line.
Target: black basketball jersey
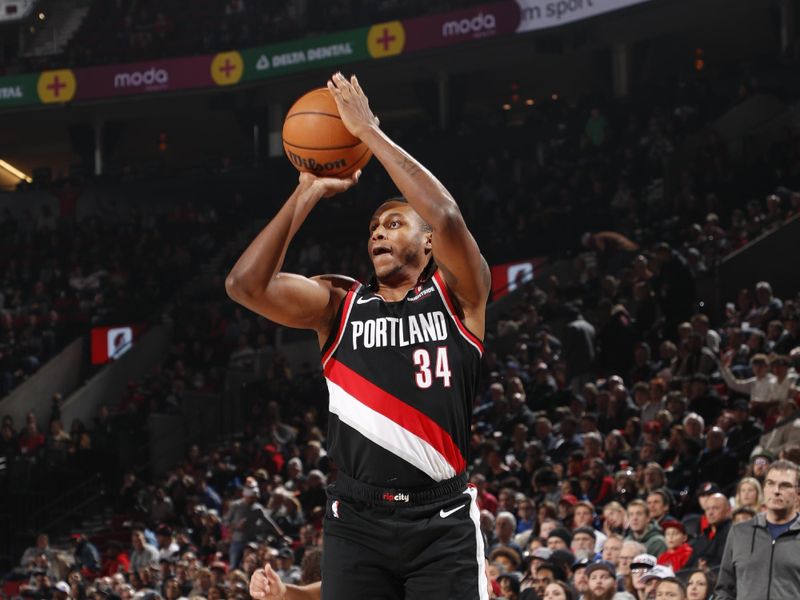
x,y
402,377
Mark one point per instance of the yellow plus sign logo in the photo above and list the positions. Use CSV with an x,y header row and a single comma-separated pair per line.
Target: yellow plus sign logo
x,y
56,86
386,39
227,68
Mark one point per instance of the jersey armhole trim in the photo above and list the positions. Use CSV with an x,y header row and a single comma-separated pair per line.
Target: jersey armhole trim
x,y
473,339
347,306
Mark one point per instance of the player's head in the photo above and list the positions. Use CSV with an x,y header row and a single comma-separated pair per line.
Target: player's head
x,y
399,241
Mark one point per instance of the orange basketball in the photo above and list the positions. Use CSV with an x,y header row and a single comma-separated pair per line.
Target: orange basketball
x,y
316,140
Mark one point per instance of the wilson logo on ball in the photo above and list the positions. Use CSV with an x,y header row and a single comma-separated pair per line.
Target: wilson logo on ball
x,y
311,164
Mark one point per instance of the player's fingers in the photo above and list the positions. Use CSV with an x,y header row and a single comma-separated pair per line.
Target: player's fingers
x,y
272,576
342,84
356,85
258,585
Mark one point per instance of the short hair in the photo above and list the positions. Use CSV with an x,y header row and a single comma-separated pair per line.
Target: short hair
x,y
759,359
785,465
674,580
511,554
743,510
639,502
694,415
507,516
662,493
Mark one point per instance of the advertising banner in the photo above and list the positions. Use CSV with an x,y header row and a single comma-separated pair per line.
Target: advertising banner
x,y
144,78
541,14
19,90
508,276
110,343
303,55
475,23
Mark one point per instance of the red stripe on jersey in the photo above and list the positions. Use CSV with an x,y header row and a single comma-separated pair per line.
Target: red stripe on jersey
x,y
442,286
393,408
348,304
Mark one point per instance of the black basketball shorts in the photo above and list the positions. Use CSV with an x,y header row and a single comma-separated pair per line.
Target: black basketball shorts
x,y
395,545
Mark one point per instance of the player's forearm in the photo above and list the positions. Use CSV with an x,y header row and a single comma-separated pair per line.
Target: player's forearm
x,y
424,192
263,258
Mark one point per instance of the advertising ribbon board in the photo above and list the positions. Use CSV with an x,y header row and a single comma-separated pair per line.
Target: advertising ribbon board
x,y
144,78
541,14
304,55
18,90
475,23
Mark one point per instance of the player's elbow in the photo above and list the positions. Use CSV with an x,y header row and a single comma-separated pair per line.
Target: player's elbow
x,y
234,287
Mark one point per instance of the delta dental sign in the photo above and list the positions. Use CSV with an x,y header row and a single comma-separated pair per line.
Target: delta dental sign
x,y
17,91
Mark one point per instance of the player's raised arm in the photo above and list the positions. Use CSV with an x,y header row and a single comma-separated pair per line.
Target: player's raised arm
x,y
454,248
256,280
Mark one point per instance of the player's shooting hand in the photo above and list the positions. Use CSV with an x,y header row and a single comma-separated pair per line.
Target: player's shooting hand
x,y
329,186
353,104
266,585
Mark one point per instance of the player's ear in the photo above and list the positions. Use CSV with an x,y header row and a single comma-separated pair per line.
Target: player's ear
x,y
428,241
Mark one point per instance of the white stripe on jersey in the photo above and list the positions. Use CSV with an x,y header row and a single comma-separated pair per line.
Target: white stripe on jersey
x,y
475,515
387,434
455,318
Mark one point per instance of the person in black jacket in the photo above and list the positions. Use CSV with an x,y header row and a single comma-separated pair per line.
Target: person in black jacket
x,y
674,287
708,547
717,463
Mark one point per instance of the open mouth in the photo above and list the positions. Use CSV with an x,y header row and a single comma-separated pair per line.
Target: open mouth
x,y
378,250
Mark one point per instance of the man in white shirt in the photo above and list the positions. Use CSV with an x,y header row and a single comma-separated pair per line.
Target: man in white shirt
x,y
759,387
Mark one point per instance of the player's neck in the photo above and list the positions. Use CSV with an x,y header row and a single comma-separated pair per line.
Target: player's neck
x,y
395,286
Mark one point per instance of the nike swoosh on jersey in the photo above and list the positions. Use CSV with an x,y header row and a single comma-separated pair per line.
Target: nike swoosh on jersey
x,y
365,300
446,513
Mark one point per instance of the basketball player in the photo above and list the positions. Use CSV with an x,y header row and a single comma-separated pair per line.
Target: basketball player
x,y
401,358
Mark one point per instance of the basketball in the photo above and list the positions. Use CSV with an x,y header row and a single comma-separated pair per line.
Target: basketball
x,y
316,140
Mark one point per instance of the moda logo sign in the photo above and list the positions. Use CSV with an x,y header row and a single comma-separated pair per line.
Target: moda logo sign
x,y
151,79
478,26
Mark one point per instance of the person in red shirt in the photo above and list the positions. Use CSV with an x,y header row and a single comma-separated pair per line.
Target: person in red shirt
x,y
678,550
484,500
30,439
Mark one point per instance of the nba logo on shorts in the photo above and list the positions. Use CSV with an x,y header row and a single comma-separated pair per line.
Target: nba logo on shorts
x,y
335,508
119,341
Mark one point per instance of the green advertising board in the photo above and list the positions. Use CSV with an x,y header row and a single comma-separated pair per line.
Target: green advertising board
x,y
304,55
18,90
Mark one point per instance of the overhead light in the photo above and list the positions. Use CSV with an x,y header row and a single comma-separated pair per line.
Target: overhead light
x,y
506,107
15,171
554,97
530,101
42,16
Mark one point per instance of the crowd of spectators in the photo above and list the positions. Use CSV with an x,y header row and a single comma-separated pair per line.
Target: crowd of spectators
x,y
615,420
137,30
61,277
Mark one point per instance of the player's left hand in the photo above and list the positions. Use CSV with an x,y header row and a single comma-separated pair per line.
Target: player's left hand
x,y
353,104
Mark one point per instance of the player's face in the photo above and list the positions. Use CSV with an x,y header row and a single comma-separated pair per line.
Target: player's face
x,y
397,239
